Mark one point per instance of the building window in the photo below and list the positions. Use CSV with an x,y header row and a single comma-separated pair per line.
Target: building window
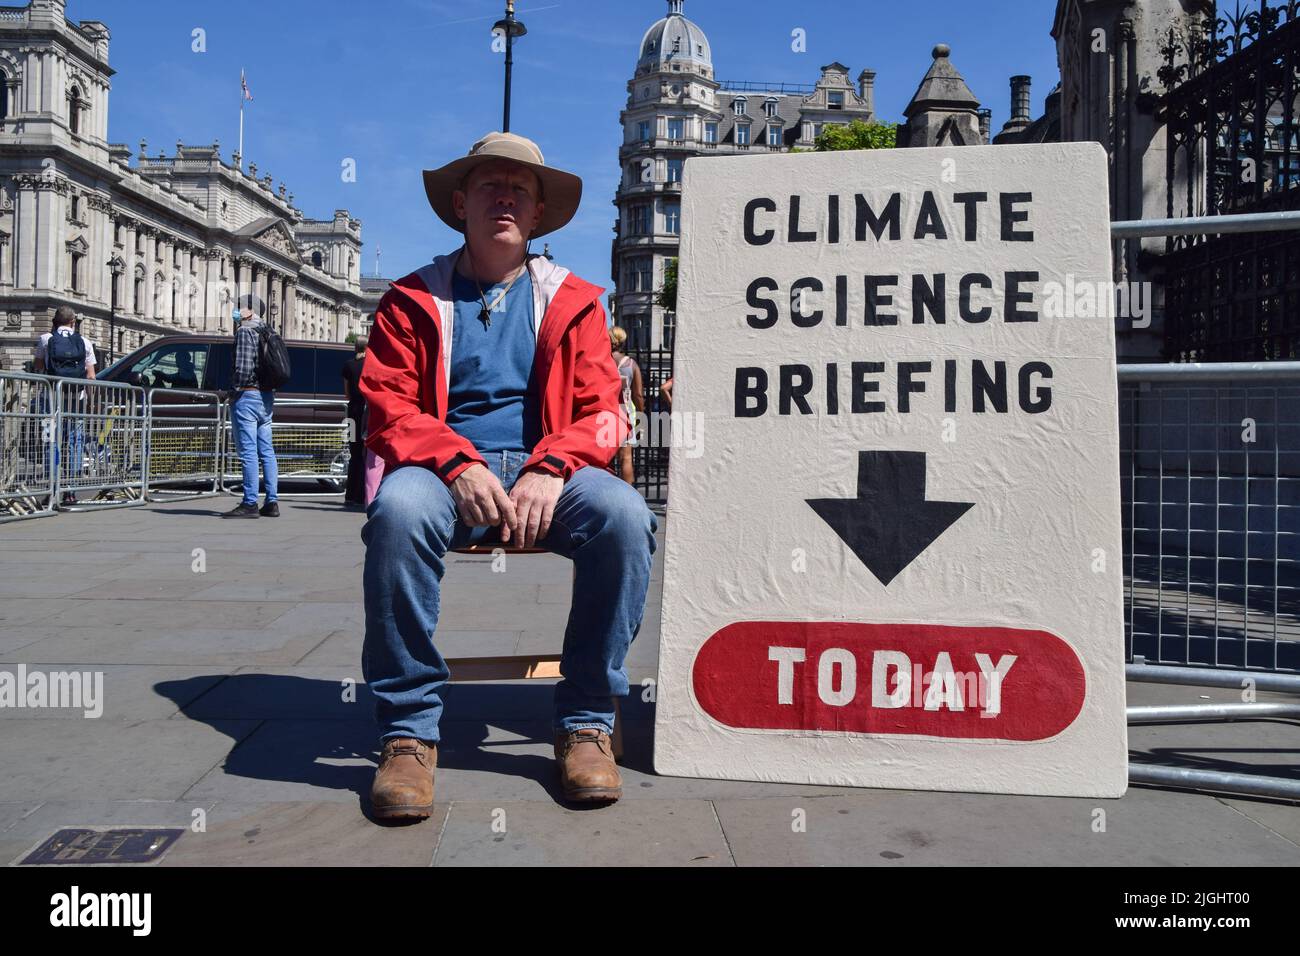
x,y
117,234
75,275
738,105
675,170
176,257
769,106
816,130
742,134
76,106
643,131
639,224
138,293
834,100
316,260
774,136
675,125
710,132
139,242
673,218
670,328
116,299
638,332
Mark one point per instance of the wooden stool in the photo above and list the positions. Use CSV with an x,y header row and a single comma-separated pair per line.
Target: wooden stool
x,y
518,666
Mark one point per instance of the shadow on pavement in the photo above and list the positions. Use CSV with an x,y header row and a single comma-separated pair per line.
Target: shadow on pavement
x,y
309,729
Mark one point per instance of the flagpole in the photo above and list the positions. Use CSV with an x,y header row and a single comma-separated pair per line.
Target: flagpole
x,y
241,119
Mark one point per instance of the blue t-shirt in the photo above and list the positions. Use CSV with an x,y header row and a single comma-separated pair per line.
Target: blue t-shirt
x,y
492,400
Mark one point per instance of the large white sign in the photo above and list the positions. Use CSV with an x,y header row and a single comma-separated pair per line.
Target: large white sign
x,y
897,562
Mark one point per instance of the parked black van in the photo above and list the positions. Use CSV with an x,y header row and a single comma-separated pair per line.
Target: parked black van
x,y
206,362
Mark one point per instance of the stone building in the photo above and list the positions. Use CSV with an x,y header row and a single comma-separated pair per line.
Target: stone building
x,y
161,246
677,108
943,111
1110,53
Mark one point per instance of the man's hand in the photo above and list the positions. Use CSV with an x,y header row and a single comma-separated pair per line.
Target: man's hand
x,y
481,500
534,495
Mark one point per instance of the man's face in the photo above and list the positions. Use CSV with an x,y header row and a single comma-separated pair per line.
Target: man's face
x,y
500,203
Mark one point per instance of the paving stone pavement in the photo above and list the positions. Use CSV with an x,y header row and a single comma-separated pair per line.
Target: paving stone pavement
x,y
226,712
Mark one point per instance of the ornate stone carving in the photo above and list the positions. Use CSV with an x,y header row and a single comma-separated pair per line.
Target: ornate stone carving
x,y
41,181
275,238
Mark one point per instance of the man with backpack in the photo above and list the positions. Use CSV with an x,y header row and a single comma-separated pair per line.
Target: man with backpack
x,y
62,352
261,366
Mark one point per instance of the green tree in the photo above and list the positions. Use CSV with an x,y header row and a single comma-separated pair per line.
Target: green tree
x,y
857,135
667,298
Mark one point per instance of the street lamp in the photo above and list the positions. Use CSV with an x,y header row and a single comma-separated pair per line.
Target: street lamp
x,y
511,28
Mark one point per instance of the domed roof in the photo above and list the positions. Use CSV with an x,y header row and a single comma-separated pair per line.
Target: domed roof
x,y
674,39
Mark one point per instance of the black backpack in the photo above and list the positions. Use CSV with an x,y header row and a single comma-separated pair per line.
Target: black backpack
x,y
65,355
273,369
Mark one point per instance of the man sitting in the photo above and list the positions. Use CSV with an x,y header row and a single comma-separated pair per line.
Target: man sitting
x,y
494,403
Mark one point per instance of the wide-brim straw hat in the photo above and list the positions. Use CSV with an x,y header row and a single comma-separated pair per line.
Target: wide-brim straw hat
x,y
561,191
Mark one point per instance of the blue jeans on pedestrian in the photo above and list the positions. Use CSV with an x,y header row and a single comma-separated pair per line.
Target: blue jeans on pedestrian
x,y
251,415
64,456
600,522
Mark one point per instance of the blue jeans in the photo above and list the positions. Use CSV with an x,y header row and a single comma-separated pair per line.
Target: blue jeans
x,y
600,522
251,415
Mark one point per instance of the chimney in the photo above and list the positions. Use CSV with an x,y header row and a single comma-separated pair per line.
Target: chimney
x,y
1020,108
986,121
867,89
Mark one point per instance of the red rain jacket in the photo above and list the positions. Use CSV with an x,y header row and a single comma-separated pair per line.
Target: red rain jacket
x,y
408,363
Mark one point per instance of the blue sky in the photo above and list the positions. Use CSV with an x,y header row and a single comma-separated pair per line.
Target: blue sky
x,y
401,85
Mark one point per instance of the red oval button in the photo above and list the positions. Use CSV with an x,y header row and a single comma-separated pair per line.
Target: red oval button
x,y
935,680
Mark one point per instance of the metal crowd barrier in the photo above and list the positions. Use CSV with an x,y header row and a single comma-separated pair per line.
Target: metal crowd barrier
x,y
186,443
27,418
100,446
116,445
1210,482
304,451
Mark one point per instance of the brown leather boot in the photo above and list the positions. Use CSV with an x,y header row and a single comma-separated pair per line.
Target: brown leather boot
x,y
587,769
403,784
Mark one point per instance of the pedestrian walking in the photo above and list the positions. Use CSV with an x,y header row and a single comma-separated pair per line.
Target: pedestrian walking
x,y
64,353
632,399
253,385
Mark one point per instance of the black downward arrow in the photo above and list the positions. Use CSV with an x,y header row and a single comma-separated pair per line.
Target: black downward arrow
x,y
889,523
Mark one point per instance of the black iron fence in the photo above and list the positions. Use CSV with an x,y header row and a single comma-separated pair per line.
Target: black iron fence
x,y
1233,146
650,453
